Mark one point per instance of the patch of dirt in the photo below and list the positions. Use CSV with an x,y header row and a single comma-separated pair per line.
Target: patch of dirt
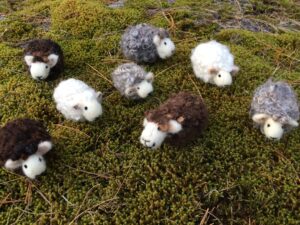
x,y
2,16
41,21
249,24
117,4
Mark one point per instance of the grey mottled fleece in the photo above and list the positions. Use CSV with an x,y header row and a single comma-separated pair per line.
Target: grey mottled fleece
x,y
276,99
137,43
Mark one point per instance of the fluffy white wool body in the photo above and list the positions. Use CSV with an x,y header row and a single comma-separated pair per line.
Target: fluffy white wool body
x,y
212,55
77,101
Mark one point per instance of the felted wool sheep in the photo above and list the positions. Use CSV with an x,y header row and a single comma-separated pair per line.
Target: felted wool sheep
x,y
132,81
77,101
144,43
44,58
213,63
275,109
179,120
23,142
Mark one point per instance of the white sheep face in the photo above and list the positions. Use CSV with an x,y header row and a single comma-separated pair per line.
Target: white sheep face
x,y
272,129
152,137
165,47
268,126
40,70
144,88
92,110
222,78
33,166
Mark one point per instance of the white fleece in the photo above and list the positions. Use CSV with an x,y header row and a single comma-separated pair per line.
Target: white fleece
x,y
72,92
208,55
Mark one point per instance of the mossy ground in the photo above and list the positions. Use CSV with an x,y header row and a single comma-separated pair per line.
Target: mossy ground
x,y
98,173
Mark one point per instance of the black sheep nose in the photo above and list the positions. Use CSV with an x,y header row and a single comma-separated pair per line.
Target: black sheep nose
x,y
39,78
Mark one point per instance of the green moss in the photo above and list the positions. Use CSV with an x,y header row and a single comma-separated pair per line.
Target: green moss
x,y
85,18
98,172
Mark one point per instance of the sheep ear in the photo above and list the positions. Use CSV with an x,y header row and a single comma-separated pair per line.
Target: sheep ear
x,y
13,164
44,147
235,70
180,119
148,113
150,77
174,127
28,59
293,123
99,96
213,71
53,58
77,107
130,91
145,122
157,40
260,118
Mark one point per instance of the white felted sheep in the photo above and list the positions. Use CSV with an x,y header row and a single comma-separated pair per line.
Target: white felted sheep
x,y
44,58
77,101
23,142
145,43
132,81
275,109
213,63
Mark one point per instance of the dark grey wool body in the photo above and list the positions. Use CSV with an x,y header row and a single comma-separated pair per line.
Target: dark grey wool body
x,y
276,99
137,43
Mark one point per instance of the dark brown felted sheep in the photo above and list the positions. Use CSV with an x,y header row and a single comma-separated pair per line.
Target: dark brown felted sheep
x,y
44,58
23,142
180,119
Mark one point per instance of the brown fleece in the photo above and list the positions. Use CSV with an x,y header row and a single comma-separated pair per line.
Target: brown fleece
x,y
187,109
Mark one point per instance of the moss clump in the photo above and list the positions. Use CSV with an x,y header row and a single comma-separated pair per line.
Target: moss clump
x,y
15,30
83,19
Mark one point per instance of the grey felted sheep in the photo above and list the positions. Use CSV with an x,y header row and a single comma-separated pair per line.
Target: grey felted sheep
x,y
275,108
132,81
146,43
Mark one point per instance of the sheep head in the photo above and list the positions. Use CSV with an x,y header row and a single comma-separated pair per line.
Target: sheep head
x,y
221,77
155,133
270,127
34,164
91,108
164,45
142,89
40,66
